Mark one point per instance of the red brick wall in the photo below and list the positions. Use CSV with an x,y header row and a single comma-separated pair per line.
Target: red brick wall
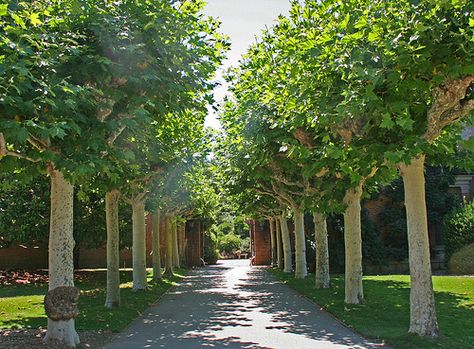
x,y
23,258
262,243
37,258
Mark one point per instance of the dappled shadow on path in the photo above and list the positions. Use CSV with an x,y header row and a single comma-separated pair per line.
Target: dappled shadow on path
x,y
233,306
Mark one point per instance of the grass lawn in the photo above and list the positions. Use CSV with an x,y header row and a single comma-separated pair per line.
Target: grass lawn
x,y
385,314
21,306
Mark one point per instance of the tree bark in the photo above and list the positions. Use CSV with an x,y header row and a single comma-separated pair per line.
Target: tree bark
x,y
285,236
279,244
271,221
354,293
423,319
139,245
156,257
300,245
322,278
182,242
61,246
169,247
174,231
113,252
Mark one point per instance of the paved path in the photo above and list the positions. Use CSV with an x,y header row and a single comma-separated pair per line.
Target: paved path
x,y
232,305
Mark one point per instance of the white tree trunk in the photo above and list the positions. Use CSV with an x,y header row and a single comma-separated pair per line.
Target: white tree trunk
x,y
285,236
422,305
322,279
182,242
61,246
279,244
139,245
175,242
113,251
156,257
169,246
353,247
271,222
300,245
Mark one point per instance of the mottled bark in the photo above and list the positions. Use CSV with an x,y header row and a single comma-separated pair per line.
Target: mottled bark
x,y
285,235
113,252
422,305
322,278
354,293
271,221
169,246
139,245
61,246
156,257
300,245
174,231
182,242
279,243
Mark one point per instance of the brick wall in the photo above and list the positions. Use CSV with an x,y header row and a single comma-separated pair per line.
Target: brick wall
x,y
262,243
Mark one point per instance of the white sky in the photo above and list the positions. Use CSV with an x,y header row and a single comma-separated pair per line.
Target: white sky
x,y
242,20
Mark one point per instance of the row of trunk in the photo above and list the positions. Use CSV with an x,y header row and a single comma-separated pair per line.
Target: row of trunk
x,y
61,245
422,306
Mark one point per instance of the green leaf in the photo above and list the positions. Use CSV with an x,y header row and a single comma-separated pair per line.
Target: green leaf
x,y
34,19
405,122
3,10
373,36
387,121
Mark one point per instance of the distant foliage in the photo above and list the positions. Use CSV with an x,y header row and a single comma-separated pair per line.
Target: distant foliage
x,y
229,243
459,228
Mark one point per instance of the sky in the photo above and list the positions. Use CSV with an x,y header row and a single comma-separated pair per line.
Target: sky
x,y
242,21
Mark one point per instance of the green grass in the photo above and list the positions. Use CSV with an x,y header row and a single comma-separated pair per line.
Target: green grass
x,y
385,314
22,306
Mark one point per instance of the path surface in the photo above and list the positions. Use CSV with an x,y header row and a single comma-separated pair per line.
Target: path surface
x,y
232,305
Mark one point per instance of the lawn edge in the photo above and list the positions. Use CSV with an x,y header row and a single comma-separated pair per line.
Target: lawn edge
x,y
115,336
333,316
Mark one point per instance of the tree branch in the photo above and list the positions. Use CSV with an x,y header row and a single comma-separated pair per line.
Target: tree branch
x,y
449,105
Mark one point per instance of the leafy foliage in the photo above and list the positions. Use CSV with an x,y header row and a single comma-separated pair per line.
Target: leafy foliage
x,y
459,228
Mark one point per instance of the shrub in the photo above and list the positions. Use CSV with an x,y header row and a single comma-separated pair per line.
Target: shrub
x,y
245,245
459,228
229,243
211,254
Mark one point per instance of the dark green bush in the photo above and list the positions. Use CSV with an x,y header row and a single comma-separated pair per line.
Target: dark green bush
x,y
459,228
211,254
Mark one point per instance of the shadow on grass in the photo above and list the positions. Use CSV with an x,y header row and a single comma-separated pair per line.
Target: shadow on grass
x,y
29,312
386,311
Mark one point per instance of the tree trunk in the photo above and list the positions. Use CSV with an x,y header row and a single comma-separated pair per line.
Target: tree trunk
x,y
322,279
353,247
174,231
182,242
113,252
139,245
156,257
169,247
61,246
285,236
300,245
271,221
423,320
279,244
